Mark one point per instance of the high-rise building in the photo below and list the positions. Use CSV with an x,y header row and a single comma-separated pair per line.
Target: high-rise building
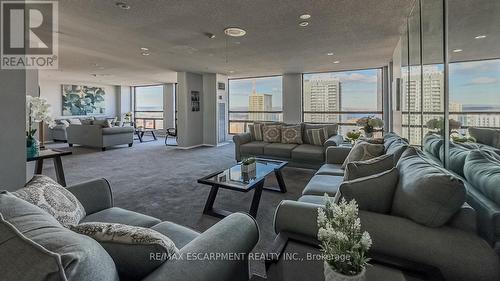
x,y
259,102
322,95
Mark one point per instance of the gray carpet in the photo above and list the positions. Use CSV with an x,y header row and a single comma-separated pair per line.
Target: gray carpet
x,y
161,182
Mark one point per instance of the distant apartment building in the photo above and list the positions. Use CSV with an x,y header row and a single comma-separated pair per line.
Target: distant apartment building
x,y
260,102
322,95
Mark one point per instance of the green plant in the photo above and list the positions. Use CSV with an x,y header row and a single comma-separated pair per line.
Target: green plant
x,y
37,110
456,137
353,135
436,125
343,245
248,161
369,123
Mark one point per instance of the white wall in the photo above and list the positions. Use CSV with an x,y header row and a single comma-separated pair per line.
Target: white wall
x,y
123,101
209,109
190,123
292,98
52,91
169,105
12,129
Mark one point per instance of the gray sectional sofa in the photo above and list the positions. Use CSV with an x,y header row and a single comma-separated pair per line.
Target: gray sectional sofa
x,y
304,155
97,136
449,243
36,239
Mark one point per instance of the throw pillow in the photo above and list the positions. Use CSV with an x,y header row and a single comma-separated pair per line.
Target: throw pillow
x,y
56,200
291,134
363,151
317,136
373,193
81,257
256,131
75,121
271,133
63,122
131,247
426,193
86,122
397,148
102,123
359,169
482,170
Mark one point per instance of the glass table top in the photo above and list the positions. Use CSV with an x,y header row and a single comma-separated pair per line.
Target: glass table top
x,y
234,178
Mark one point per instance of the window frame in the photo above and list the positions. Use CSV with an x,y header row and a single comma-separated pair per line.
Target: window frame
x,y
148,111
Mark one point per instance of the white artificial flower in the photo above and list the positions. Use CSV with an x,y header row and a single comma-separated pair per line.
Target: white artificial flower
x,y
366,240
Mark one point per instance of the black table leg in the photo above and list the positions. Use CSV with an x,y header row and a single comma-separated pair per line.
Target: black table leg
x,y
38,166
281,182
61,179
154,136
209,205
256,199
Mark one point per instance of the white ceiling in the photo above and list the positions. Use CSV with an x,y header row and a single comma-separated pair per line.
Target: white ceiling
x,y
98,38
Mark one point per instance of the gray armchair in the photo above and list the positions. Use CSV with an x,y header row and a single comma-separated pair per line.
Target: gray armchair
x,y
237,233
97,136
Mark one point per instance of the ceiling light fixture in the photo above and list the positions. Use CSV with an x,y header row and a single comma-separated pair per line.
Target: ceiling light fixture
x,y
480,37
144,49
336,62
305,16
145,53
457,50
329,54
122,5
210,35
234,31
303,23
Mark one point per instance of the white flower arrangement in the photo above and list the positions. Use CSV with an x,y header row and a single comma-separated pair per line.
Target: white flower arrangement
x,y
37,110
343,245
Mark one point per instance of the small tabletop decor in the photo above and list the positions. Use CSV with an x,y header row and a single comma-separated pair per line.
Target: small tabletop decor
x,y
248,165
353,136
37,111
343,245
369,124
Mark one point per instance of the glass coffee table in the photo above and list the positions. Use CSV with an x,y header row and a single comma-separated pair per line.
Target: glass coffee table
x,y
233,179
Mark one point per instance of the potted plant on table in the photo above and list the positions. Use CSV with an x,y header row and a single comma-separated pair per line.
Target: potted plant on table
x,y
369,124
37,111
343,245
353,136
248,165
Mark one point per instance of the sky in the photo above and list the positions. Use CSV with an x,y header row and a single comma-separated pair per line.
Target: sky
x,y
240,89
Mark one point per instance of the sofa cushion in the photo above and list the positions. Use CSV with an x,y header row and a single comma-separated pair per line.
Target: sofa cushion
x,y
457,156
179,234
81,257
253,148
313,199
256,131
291,134
308,153
75,121
426,193
482,170
359,169
331,130
331,170
35,263
281,150
486,136
119,215
321,184
396,148
271,133
373,193
136,251
432,144
56,200
102,123
117,130
317,136
363,151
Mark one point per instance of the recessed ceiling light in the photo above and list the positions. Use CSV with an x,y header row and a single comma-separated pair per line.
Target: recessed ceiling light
x,y
234,32
336,61
329,54
122,5
457,50
144,49
145,53
304,23
480,37
305,16
210,35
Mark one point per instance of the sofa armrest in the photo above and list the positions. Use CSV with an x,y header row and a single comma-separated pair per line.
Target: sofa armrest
x,y
335,140
220,253
298,219
336,154
95,195
238,140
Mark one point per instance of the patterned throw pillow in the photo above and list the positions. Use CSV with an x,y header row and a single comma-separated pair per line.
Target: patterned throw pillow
x,y
291,134
137,251
317,136
256,131
271,133
102,123
75,121
56,200
363,151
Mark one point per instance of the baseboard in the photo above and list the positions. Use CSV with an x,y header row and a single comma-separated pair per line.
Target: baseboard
x,y
191,147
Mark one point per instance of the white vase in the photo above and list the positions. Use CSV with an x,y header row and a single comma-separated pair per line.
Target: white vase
x,y
332,275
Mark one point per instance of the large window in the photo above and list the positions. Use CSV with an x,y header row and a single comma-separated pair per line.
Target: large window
x,y
148,106
342,97
254,99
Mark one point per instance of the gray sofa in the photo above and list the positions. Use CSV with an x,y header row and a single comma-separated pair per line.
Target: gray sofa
x,y
97,136
454,248
82,258
304,155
